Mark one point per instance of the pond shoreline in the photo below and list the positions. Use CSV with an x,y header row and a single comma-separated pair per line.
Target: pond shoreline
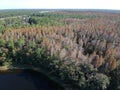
x,y
28,67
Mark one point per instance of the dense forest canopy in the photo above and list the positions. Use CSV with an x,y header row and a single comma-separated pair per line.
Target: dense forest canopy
x,y
81,49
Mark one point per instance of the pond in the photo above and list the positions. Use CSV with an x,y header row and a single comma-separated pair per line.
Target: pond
x,y
26,80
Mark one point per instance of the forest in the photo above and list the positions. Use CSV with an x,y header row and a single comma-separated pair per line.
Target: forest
x,y
79,49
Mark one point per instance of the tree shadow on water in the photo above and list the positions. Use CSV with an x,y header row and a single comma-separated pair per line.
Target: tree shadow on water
x,y
41,82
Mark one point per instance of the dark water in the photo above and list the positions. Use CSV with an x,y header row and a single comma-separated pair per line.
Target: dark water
x,y
26,80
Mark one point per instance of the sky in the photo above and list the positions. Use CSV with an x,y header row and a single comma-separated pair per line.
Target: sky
x,y
60,4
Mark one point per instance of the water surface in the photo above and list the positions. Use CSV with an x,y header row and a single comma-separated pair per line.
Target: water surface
x,y
26,80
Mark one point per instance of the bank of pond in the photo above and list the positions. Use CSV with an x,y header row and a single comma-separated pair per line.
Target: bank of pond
x,y
26,80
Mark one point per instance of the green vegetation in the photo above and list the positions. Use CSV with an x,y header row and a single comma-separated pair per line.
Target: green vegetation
x,y
81,50
30,18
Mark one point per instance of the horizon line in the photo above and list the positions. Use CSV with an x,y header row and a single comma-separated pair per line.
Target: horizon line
x,y
56,9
